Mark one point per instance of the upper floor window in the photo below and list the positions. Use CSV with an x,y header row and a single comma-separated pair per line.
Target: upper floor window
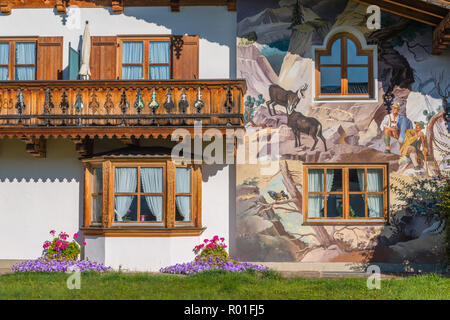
x,y
146,58
17,60
344,193
344,69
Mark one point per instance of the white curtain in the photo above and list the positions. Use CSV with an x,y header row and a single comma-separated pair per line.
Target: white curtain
x,y
132,53
25,54
360,173
152,182
330,178
375,201
159,72
315,201
126,182
159,52
183,185
4,59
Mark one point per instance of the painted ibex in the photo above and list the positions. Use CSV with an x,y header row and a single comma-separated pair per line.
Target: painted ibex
x,y
300,123
282,97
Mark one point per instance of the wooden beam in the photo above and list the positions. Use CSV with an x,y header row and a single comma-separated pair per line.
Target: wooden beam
x,y
175,5
37,147
412,9
441,36
61,6
83,146
117,6
5,7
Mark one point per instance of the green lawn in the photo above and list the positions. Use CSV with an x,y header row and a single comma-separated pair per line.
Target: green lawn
x,y
214,285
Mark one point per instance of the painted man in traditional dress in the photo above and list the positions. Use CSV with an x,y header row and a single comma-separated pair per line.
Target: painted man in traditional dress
x,y
414,146
394,125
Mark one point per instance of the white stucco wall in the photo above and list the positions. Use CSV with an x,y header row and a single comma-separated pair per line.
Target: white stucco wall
x,y
37,195
153,253
216,27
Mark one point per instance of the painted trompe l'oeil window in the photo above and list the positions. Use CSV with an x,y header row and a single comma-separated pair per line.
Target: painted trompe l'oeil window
x,y
146,58
150,194
344,70
17,60
345,193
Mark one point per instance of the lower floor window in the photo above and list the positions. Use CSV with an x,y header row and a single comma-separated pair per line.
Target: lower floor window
x,y
146,194
344,193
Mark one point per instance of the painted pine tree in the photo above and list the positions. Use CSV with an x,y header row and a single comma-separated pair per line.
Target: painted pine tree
x,y
297,15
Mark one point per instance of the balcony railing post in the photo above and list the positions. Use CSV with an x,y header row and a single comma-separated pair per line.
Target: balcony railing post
x,y
20,105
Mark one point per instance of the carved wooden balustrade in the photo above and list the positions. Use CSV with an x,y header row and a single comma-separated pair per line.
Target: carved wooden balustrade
x,y
74,105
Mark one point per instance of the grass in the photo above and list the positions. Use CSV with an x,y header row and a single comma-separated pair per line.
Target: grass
x,y
216,285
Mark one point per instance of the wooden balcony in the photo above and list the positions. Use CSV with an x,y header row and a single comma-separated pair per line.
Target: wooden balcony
x,y
117,108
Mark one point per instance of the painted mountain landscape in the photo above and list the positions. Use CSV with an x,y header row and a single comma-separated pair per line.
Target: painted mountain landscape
x,y
276,40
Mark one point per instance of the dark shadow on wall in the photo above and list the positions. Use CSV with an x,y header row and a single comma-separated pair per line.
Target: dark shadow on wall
x,y
60,166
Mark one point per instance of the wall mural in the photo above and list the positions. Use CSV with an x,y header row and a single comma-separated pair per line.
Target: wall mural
x,y
275,40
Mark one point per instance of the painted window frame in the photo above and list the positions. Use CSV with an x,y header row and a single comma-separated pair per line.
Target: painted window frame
x,y
346,194
168,227
344,95
145,57
12,56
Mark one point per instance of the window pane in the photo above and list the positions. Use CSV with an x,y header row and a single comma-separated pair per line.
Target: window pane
x,y
374,180
97,209
4,53
4,73
315,180
334,206
335,57
152,180
334,180
151,208
330,80
315,206
126,180
132,73
183,208
356,180
98,180
352,56
125,208
132,52
357,206
183,180
24,73
375,205
358,80
159,52
159,72
25,53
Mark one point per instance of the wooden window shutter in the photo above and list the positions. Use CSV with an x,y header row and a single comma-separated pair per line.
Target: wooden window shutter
x,y
185,57
103,63
49,63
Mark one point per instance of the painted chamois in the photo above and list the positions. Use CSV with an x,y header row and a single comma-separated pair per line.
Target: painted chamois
x,y
282,97
300,123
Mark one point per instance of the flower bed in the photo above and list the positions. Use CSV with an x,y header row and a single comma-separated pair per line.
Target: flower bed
x,y
211,255
59,265
60,255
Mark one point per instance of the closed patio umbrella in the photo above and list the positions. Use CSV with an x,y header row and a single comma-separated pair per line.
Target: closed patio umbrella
x,y
85,71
